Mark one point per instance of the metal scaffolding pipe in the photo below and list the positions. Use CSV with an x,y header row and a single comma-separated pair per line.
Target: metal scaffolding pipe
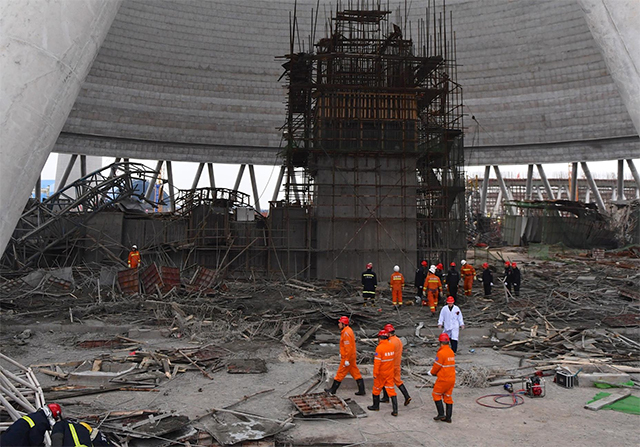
x,y
545,182
593,187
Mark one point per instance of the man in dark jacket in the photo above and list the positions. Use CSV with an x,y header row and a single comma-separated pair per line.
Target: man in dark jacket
x,y
29,430
508,275
71,434
515,278
369,286
421,274
487,279
453,278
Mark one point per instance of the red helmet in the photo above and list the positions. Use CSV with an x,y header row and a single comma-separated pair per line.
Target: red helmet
x,y
443,337
383,334
450,300
423,263
453,264
56,411
389,327
344,320
369,266
513,264
485,266
440,266
507,264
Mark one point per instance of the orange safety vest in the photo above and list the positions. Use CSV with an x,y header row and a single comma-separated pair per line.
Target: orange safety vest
x,y
397,347
384,359
445,364
432,283
134,259
348,345
397,281
467,270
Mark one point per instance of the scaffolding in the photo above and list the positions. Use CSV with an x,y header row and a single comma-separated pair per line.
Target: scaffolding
x,y
374,140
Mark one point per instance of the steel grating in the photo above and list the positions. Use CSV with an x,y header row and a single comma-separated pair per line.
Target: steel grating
x,y
320,404
150,278
128,281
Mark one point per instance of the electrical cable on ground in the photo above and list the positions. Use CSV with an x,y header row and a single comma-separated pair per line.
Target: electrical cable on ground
x,y
516,399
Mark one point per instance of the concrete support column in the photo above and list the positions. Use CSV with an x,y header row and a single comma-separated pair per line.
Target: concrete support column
x,y
593,187
276,190
636,177
212,179
239,177
152,183
506,194
539,192
620,187
545,182
528,190
254,185
47,51
574,182
485,189
67,172
172,197
196,178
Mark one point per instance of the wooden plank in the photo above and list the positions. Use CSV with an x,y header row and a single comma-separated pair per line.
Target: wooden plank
x,y
595,406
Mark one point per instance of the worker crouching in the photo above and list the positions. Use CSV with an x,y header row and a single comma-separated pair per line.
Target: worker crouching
x,y
444,367
30,430
347,359
383,373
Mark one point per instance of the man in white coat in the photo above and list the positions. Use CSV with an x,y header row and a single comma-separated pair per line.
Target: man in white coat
x,y
451,318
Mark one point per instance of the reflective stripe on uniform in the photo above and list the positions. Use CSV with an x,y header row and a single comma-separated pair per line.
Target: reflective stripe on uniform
x,y
76,441
29,421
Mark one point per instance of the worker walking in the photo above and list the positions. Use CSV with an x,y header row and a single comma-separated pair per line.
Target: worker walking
x,y
440,275
451,319
421,275
515,278
432,289
487,279
134,257
383,373
508,275
397,371
468,275
396,283
29,430
444,368
453,278
347,359
369,286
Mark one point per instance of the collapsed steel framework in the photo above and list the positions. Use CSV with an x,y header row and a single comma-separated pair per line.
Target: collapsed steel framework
x,y
374,141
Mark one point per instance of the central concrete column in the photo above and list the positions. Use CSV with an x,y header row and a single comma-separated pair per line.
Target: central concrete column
x,y
46,51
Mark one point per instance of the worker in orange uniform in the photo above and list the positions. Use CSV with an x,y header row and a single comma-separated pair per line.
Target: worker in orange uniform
x,y
444,367
397,379
396,283
432,289
468,274
347,359
134,257
383,373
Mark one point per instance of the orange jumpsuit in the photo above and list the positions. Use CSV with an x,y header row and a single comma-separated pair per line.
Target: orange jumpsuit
x,y
347,353
397,347
383,368
397,283
134,259
432,288
468,273
444,368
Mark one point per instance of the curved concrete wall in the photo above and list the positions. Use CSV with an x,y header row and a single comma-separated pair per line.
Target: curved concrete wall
x,y
46,50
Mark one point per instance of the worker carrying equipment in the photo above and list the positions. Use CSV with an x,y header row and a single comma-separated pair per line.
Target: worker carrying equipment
x,y
444,367
369,286
134,257
383,372
397,371
396,283
29,430
347,359
431,290
468,275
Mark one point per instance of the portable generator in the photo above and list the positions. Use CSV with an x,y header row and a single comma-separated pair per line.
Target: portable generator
x,y
534,386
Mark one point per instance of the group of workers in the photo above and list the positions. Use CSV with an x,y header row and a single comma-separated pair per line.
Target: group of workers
x,y
387,361
30,430
430,282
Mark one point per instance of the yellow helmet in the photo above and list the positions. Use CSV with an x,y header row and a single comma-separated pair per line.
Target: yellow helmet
x,y
87,426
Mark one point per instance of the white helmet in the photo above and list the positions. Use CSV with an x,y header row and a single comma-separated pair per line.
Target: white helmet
x,y
134,246
396,268
432,269
463,262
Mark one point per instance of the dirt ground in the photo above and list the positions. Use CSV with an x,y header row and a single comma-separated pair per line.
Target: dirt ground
x,y
556,419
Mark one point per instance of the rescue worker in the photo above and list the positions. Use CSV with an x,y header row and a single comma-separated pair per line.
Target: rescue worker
x,y
508,275
71,434
487,279
444,367
397,371
453,278
134,257
383,372
369,286
451,319
515,278
347,359
421,274
468,274
396,283
29,430
440,275
432,289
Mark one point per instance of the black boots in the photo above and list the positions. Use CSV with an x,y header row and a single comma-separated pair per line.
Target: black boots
x,y
385,396
394,404
360,391
449,413
440,407
376,403
405,393
333,388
